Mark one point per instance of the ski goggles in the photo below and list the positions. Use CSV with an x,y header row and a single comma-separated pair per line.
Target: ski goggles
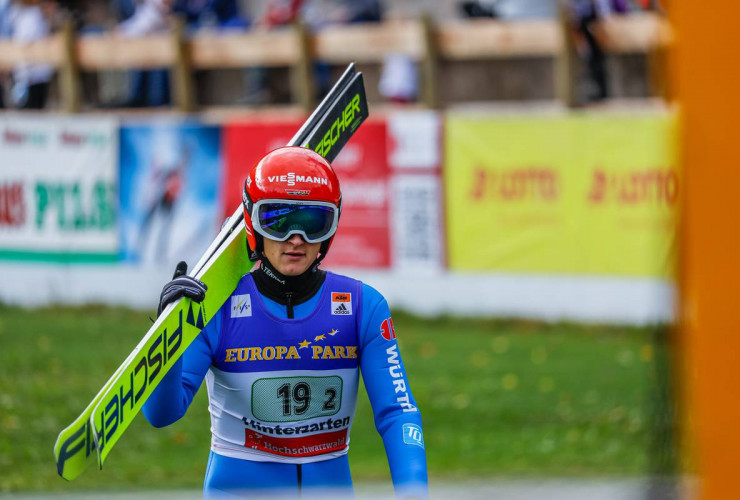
x,y
278,220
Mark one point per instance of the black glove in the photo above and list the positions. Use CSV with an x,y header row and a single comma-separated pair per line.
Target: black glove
x,y
181,285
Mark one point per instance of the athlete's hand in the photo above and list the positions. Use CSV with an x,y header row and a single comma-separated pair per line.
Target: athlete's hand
x,y
181,285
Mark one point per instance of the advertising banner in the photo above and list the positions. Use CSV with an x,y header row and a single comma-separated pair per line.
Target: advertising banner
x,y
58,194
170,180
363,238
415,156
362,166
417,223
414,140
576,194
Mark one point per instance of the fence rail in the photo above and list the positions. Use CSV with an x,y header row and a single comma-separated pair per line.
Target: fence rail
x,y
293,47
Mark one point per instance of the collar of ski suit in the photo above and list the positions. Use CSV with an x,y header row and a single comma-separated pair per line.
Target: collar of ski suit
x,y
283,289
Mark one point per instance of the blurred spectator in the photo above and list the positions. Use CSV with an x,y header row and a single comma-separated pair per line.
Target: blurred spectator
x,y
586,14
476,8
651,5
281,13
4,18
152,87
646,4
278,13
4,33
149,16
220,14
399,79
322,13
123,9
31,82
517,10
317,14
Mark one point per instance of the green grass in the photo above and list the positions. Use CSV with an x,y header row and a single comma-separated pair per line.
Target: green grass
x,y
498,398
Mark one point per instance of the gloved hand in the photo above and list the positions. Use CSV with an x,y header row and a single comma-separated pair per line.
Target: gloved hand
x,y
181,285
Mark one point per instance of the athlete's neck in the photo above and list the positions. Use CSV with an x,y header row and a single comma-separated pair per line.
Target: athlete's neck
x,y
284,289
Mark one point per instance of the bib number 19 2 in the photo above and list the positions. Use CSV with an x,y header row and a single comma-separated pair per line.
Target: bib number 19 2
x,y
298,400
289,399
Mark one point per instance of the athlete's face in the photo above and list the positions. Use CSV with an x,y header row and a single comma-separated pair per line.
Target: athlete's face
x,y
293,256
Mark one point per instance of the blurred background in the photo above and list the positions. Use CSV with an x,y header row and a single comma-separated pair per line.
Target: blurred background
x,y
515,195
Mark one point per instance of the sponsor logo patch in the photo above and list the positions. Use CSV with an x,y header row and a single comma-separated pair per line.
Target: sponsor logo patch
x,y
386,329
341,304
412,435
241,306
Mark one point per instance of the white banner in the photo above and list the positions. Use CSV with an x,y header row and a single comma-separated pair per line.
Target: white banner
x,y
58,189
417,223
414,140
415,156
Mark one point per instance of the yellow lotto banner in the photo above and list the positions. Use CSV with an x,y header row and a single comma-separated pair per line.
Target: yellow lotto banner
x,y
576,194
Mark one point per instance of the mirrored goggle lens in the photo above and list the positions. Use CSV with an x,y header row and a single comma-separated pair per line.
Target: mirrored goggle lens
x,y
278,220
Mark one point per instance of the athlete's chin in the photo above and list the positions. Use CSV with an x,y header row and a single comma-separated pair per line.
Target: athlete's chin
x,y
293,266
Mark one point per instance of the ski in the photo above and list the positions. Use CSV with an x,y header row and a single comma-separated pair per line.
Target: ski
x,y
92,435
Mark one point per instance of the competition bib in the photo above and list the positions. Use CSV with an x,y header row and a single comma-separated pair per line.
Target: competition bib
x,y
286,390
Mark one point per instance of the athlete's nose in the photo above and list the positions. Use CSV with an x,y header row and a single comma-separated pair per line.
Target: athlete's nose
x,y
296,239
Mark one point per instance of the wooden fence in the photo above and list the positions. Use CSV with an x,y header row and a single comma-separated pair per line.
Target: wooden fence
x,y
294,47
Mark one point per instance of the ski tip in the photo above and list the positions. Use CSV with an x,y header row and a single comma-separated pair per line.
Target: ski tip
x,y
349,71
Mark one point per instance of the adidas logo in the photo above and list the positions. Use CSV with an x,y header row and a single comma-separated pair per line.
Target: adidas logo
x,y
340,309
341,303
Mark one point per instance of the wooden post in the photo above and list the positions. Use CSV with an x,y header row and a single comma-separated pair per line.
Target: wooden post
x,y
567,61
302,81
429,64
69,74
181,81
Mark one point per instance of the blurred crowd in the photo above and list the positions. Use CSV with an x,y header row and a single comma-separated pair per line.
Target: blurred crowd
x,y
28,85
25,21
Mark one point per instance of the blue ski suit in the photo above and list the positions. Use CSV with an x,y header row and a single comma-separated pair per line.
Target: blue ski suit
x,y
282,392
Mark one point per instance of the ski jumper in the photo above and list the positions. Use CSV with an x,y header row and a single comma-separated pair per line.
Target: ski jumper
x,y
282,392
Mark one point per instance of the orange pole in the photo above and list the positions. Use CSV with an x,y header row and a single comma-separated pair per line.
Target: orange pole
x,y
707,78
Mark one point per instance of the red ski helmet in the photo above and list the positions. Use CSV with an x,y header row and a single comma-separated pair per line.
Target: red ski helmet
x,y
292,190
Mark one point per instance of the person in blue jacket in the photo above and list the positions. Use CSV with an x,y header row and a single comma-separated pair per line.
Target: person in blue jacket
x,y
282,356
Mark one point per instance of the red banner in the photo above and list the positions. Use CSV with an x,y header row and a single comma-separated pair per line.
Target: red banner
x,y
362,166
307,446
364,230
